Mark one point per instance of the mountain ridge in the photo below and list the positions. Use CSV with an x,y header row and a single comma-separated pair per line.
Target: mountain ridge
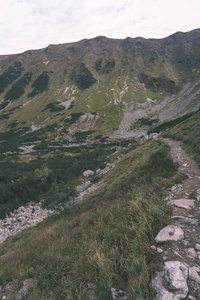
x,y
104,77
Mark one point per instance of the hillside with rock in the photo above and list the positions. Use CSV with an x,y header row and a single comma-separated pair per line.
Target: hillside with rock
x,y
99,87
99,170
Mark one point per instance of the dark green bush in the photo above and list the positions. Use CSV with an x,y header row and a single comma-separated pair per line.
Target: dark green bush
x,y
40,84
10,75
17,90
82,77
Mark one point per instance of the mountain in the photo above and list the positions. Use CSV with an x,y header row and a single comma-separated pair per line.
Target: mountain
x,y
100,87
78,107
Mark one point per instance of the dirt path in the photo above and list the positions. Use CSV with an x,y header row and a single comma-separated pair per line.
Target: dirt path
x,y
189,167
181,259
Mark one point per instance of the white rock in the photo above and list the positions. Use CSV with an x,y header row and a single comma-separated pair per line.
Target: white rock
x,y
197,247
186,243
161,292
183,203
153,247
88,174
170,233
176,274
193,275
191,298
118,294
191,253
183,220
159,250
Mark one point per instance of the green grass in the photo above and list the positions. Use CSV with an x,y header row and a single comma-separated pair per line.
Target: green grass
x,y
104,240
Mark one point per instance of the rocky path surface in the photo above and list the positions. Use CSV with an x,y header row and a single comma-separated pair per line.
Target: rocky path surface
x,y
180,278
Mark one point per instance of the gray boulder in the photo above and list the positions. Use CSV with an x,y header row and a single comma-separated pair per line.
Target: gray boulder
x,y
170,233
174,277
183,203
118,294
26,286
193,275
176,274
88,174
161,292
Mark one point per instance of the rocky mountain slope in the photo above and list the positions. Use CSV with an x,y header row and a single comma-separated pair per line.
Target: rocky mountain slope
x,y
99,87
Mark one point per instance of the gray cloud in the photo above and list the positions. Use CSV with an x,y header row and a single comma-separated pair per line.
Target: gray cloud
x,y
32,24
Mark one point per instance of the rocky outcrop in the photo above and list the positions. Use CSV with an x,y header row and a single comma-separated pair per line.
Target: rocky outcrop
x,y
22,218
26,286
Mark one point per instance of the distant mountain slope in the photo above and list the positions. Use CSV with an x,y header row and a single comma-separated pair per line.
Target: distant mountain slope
x,y
101,86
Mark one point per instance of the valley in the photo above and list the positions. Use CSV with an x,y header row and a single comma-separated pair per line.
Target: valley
x,y
106,107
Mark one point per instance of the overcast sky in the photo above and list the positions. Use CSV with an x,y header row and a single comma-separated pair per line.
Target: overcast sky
x,y
34,24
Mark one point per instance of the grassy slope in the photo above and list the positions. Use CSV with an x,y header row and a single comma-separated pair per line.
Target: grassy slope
x,y
188,132
104,240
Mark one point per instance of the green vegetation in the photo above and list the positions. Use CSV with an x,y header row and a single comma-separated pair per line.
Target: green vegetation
x,y
59,195
169,124
6,116
40,84
82,77
17,90
10,75
82,136
108,67
147,121
22,182
188,131
73,118
56,106
104,240
158,83
98,64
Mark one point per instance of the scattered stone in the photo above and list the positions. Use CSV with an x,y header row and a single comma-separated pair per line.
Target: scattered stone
x,y
153,247
160,291
22,218
183,203
193,275
198,191
197,247
176,253
6,286
90,294
159,250
186,243
118,294
191,298
26,286
191,253
88,174
183,220
170,233
176,274
83,186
